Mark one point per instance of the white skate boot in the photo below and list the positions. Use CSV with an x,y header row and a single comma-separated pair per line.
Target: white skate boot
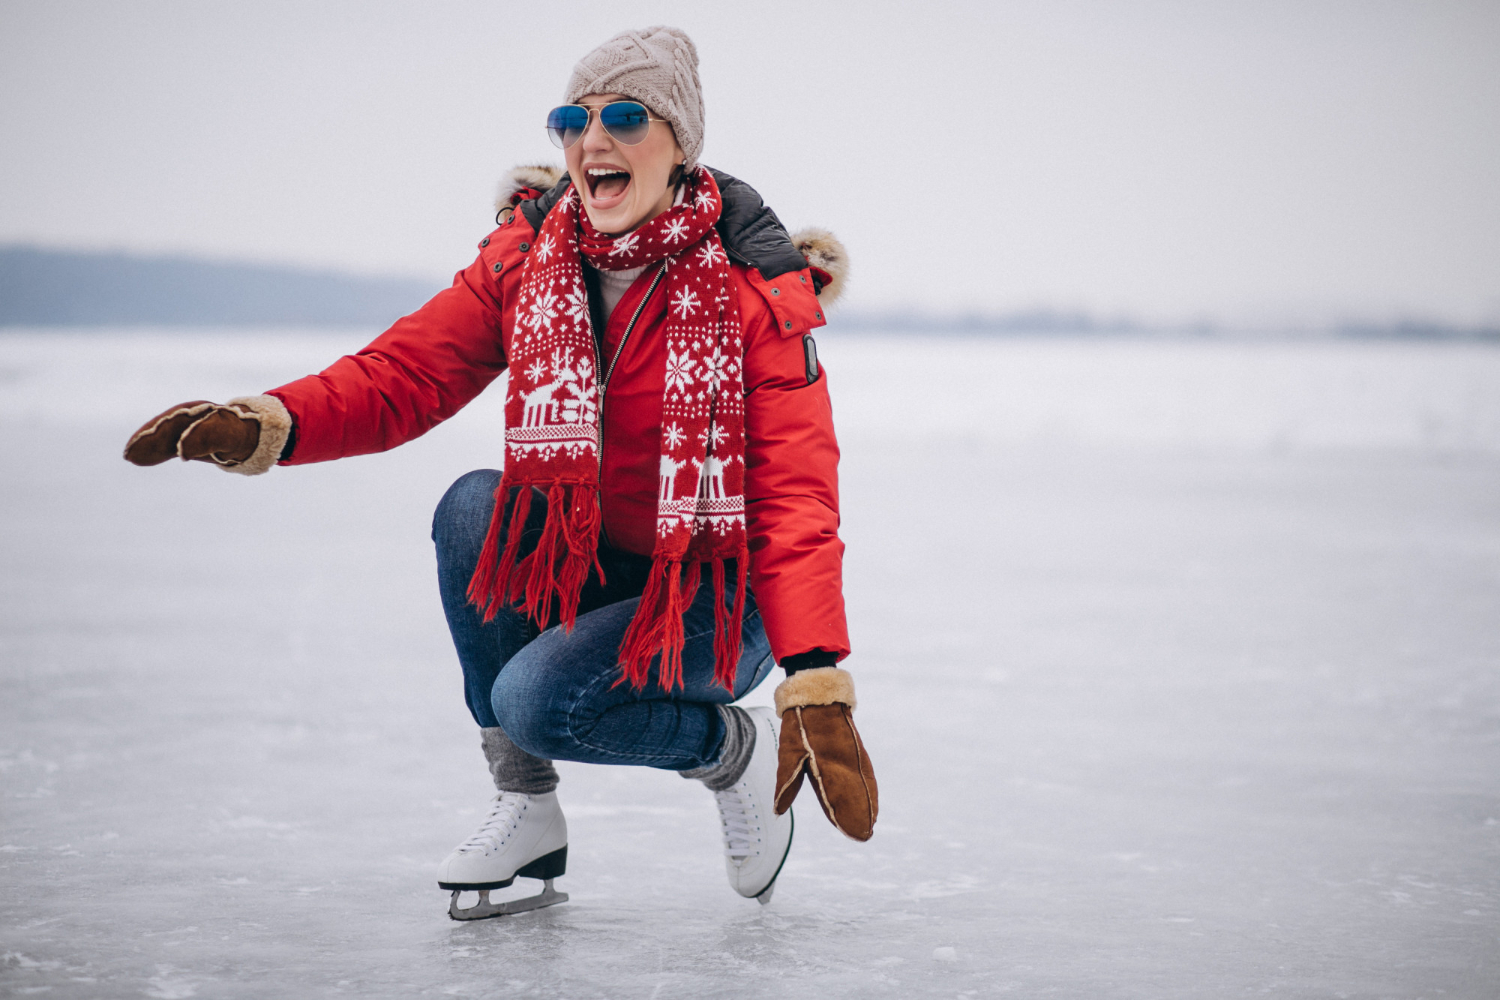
x,y
523,836
756,840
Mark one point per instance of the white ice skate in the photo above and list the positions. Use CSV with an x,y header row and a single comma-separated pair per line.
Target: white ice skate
x,y
523,836
756,840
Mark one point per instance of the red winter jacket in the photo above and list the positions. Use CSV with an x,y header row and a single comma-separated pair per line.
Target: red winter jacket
x,y
428,365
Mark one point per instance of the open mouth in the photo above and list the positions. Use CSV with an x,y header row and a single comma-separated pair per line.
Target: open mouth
x,y
607,185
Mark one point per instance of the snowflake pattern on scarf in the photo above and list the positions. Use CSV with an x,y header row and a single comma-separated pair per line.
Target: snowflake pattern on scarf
x,y
552,435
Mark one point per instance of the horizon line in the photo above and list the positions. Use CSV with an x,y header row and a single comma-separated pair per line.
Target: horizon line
x,y
912,317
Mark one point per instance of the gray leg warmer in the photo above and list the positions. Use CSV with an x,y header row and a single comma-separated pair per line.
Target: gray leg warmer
x,y
513,769
734,753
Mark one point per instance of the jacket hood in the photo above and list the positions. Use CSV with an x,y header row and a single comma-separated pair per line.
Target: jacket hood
x,y
752,233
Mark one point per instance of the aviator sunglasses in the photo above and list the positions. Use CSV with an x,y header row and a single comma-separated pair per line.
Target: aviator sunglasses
x,y
627,122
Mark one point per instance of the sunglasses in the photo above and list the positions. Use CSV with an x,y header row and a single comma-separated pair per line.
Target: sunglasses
x,y
627,122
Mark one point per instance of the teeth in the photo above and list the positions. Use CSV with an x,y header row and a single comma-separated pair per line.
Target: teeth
x,y
605,172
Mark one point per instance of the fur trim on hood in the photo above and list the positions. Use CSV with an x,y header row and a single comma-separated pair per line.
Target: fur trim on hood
x,y
820,248
537,176
823,251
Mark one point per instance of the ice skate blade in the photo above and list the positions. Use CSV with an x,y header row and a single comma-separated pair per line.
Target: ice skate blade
x,y
764,899
484,909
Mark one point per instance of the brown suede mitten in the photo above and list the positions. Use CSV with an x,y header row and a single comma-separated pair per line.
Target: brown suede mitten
x,y
223,435
245,436
818,738
156,441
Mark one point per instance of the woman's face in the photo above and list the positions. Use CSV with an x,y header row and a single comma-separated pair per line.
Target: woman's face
x,y
622,186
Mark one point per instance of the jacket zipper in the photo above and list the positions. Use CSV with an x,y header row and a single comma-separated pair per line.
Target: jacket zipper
x,y
604,385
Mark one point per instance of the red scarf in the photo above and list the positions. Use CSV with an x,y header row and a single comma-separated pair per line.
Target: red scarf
x,y
552,433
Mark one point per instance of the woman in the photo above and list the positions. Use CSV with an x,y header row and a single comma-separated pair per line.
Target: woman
x,y
666,525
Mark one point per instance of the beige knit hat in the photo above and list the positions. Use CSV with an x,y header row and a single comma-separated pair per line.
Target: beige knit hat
x,y
656,66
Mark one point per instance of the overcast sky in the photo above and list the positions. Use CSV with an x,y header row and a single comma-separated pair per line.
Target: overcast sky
x,y
1167,160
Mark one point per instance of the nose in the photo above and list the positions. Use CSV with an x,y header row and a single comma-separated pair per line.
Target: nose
x,y
595,139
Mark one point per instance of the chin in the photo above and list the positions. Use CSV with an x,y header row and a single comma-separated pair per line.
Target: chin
x,y
615,220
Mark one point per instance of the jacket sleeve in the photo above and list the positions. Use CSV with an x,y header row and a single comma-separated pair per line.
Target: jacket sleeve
x,y
420,372
791,484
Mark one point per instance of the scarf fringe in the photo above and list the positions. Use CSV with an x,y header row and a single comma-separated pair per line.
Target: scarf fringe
x,y
657,626
581,536
489,585
642,636
729,623
571,531
540,568
570,534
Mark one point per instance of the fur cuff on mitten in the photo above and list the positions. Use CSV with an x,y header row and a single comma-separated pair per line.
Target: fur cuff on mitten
x,y
275,428
818,740
818,686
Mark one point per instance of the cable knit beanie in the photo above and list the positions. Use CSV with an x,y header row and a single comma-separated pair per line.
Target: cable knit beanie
x,y
656,66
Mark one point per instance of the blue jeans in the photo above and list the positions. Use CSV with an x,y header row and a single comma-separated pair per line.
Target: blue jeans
x,y
553,692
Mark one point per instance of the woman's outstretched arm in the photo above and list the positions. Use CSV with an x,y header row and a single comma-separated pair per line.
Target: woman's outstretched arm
x,y
418,373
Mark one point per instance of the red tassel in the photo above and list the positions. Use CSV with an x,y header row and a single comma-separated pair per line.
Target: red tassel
x,y
570,535
581,537
729,636
540,568
669,673
508,580
488,585
657,626
691,579
721,626
642,637
683,587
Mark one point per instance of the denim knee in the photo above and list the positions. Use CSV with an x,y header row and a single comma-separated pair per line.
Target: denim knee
x,y
531,713
463,515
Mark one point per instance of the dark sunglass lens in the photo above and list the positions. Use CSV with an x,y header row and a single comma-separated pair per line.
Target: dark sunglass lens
x,y
627,121
565,124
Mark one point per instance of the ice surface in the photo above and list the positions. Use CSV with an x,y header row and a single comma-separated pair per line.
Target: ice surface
x,y
1179,663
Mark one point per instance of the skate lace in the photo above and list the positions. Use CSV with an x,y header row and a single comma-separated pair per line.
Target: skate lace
x,y
737,815
504,817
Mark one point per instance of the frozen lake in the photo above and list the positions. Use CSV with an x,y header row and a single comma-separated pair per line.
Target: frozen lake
x,y
1179,663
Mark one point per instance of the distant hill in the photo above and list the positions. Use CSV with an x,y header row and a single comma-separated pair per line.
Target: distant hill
x,y
59,287
71,288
